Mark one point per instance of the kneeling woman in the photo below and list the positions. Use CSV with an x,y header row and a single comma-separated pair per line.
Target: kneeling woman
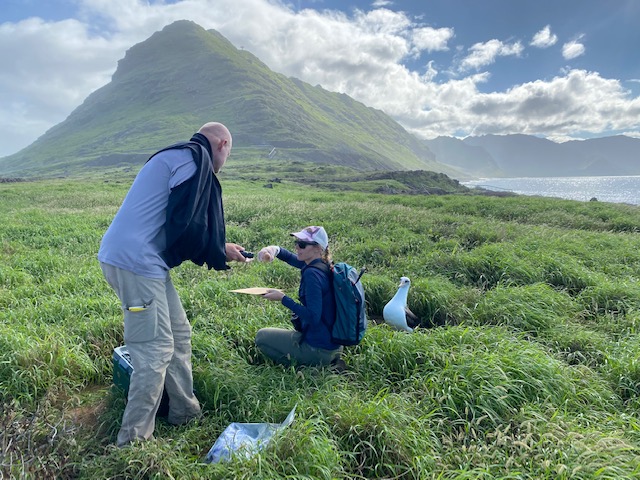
x,y
310,342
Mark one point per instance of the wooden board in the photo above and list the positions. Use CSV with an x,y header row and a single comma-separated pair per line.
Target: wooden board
x,y
254,290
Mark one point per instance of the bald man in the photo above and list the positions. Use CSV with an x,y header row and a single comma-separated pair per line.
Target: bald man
x,y
172,213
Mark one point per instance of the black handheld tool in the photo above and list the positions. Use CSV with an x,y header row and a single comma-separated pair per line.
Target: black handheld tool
x,y
246,254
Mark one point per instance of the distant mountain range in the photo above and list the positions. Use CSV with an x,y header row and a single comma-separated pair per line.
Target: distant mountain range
x,y
528,156
183,76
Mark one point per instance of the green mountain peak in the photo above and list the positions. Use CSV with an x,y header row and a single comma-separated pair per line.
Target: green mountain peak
x,y
183,76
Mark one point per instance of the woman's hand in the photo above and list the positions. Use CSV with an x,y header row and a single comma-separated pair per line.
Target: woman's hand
x,y
267,254
273,295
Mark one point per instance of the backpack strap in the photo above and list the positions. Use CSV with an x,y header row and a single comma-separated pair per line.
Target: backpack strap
x,y
322,266
326,268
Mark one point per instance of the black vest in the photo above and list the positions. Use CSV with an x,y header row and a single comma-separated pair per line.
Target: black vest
x,y
195,225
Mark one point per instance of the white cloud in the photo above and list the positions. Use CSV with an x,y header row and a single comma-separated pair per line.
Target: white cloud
x,y
572,49
382,21
430,73
483,54
431,39
47,69
544,38
562,138
578,101
381,3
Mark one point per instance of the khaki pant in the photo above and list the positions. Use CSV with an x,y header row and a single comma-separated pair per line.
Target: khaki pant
x,y
158,338
284,347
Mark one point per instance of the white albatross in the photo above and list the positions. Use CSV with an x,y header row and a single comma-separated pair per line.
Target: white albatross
x,y
396,313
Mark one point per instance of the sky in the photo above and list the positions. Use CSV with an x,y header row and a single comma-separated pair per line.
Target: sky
x,y
558,69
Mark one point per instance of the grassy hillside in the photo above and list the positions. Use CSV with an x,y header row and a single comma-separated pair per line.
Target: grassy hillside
x,y
531,370
340,178
166,87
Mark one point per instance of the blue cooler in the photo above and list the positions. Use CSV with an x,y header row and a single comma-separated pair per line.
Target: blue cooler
x,y
122,370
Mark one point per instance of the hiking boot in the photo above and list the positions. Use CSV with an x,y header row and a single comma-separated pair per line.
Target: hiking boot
x,y
338,365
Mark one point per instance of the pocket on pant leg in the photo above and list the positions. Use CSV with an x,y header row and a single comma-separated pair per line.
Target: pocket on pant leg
x,y
140,323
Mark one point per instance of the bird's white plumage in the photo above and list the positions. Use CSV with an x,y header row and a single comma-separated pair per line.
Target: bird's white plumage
x,y
394,312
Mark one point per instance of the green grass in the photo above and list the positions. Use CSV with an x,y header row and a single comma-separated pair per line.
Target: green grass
x,y
531,370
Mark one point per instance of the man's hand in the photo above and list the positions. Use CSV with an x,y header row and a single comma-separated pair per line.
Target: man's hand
x,y
273,295
233,253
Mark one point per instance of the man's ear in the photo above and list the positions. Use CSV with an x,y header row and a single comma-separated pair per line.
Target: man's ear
x,y
221,144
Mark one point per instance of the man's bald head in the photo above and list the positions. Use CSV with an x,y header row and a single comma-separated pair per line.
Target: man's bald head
x,y
220,139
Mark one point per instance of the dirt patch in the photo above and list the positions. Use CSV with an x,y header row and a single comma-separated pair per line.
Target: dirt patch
x,y
91,407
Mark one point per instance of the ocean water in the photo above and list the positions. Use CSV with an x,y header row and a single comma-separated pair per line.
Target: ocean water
x,y
605,189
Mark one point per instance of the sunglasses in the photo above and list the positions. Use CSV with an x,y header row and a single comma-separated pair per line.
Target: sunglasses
x,y
302,244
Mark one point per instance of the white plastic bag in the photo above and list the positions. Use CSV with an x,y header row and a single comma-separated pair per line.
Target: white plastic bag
x,y
245,438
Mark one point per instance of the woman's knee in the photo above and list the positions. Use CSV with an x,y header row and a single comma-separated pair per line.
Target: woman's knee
x,y
261,337
271,334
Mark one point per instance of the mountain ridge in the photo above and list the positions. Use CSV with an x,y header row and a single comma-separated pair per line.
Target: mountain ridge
x,y
184,76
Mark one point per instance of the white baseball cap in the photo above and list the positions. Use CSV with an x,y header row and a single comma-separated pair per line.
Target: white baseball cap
x,y
313,234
